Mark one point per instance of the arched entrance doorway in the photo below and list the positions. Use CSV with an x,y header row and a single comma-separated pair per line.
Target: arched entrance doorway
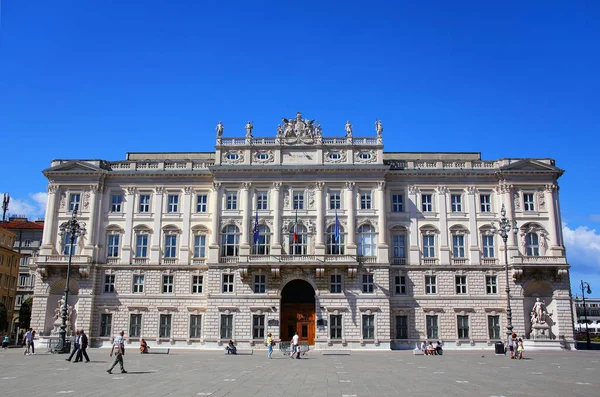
x,y
298,311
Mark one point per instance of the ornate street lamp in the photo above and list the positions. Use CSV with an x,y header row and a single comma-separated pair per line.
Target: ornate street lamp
x,y
71,230
585,287
504,227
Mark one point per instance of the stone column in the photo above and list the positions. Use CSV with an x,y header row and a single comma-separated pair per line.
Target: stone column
x,y
351,218
276,210
246,216
474,255
553,226
90,239
215,215
157,232
382,244
319,243
50,231
126,252
442,193
184,250
413,209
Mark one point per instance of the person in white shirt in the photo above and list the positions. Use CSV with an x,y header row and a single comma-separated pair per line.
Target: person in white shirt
x,y
295,348
28,341
119,352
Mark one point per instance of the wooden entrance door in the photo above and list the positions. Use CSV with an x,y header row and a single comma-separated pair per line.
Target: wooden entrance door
x,y
298,317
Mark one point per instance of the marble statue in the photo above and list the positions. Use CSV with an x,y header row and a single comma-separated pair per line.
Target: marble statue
x,y
539,312
318,130
279,131
249,128
220,129
378,127
58,318
348,129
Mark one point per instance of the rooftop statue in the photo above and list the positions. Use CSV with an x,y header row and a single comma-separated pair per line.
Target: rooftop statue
x,y
378,127
220,129
249,128
298,130
348,129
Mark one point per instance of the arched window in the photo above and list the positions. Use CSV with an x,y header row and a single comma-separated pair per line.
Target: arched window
x,y
366,241
335,241
262,241
230,241
298,240
532,244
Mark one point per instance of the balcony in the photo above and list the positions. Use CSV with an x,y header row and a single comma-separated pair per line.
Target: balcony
x,y
367,259
429,261
339,258
539,260
489,261
398,261
140,261
296,259
64,259
198,261
460,261
229,259
170,261
112,261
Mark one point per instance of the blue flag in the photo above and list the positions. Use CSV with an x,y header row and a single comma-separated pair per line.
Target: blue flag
x,y
336,229
256,229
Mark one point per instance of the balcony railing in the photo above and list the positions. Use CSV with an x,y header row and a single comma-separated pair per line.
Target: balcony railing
x,y
367,259
460,261
398,261
298,258
339,258
112,261
140,261
489,261
229,259
75,259
169,261
429,261
198,261
539,260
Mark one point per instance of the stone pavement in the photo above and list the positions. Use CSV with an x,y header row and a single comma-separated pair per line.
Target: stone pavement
x,y
201,373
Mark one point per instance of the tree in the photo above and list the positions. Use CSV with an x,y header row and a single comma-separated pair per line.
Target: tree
x,y
25,313
3,317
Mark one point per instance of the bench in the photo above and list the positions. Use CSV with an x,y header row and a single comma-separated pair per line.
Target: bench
x,y
242,352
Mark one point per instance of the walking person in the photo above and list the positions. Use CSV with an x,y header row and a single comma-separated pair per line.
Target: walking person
x,y
28,341
270,344
520,348
510,346
295,346
32,342
119,345
76,347
83,344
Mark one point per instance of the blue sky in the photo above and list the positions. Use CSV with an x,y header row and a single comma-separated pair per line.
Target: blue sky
x,y
91,80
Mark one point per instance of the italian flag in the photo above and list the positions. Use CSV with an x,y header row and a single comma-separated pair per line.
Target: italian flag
x,y
296,227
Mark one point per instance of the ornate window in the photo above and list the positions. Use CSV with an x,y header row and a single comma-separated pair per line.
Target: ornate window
x,y
197,282
173,203
298,240
144,203
485,202
200,246
494,327
105,324
400,285
135,325
427,202
365,201
260,283
335,285
226,326
74,201
113,245
431,323
167,287
532,244
460,283
164,330
262,241
116,201
335,241
141,245
231,201
258,326
138,283
262,201
528,202
335,327
201,203
230,241
228,283
402,327
334,201
368,326
368,284
397,203
170,246
429,246
430,285
298,201
458,245
488,245
69,246
366,241
195,326
399,244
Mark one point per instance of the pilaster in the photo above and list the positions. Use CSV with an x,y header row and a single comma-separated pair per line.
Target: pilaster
x,y
319,244
246,204
214,204
184,250
442,194
414,253
474,256
157,232
49,232
276,210
351,216
382,244
128,237
90,240
550,193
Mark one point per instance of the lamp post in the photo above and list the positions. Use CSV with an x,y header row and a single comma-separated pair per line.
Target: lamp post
x,y
504,227
71,230
585,287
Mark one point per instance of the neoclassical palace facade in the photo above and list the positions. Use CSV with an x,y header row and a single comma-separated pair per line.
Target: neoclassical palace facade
x,y
331,237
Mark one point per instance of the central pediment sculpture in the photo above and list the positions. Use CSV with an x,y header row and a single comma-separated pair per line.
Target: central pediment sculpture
x,y
299,130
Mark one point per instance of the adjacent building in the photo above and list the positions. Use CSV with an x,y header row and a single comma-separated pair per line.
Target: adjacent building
x,y
591,311
9,270
331,237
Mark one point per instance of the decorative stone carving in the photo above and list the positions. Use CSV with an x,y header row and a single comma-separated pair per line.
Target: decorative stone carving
x,y
216,186
372,158
311,198
517,200
319,185
246,185
350,185
286,197
63,200
551,188
331,159
297,130
471,190
348,129
130,190
249,127
232,157
310,225
269,159
220,128
541,198
95,188
412,189
378,127
188,190
86,199
381,185
443,190
277,186
539,312
159,190
52,188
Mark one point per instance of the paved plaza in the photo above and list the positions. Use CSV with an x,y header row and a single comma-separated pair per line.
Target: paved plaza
x,y
197,373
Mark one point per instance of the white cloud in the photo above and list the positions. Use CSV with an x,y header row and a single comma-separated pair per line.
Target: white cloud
x,y
33,207
583,247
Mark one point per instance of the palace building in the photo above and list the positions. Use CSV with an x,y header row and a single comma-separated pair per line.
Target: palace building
x,y
331,237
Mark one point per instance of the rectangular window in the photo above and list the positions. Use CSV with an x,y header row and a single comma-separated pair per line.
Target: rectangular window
x,y
228,283
428,246
397,203
430,285
335,326
260,283
367,283
197,282
494,327
167,284
262,201
69,248
74,200
335,202
485,201
426,203
365,201
400,285
116,200
456,202
488,246
335,287
135,325
399,245
23,280
109,283
460,283
458,246
368,326
195,326
258,327
231,201
144,203
200,246
401,327
105,324
138,283
528,202
201,203
164,330
491,285
173,203
141,246
298,201
113,245
462,323
171,246
27,243
226,326
431,323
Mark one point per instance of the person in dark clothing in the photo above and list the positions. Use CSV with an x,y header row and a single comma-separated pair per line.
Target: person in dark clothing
x,y
75,351
83,344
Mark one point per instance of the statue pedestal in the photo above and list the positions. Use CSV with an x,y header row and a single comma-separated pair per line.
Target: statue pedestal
x,y
540,332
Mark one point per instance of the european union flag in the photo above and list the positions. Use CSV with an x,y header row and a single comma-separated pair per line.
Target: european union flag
x,y
256,229
336,229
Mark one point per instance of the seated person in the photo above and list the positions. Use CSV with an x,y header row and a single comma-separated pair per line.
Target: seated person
x,y
438,348
144,347
430,349
5,342
231,349
424,347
